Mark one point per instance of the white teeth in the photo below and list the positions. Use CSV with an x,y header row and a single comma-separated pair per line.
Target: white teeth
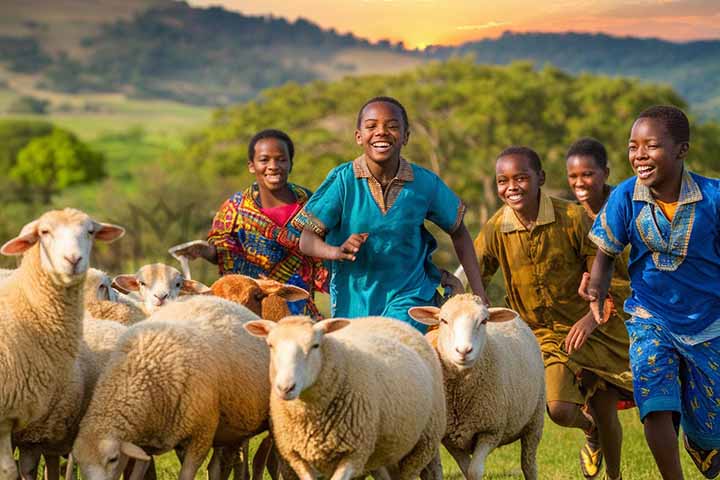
x,y
514,197
644,168
381,145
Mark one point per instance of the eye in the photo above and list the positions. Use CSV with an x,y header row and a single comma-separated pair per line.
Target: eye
x,y
113,459
483,321
259,296
44,231
443,321
141,283
315,345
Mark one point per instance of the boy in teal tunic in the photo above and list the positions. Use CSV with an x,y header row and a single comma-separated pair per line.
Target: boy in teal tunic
x,y
368,218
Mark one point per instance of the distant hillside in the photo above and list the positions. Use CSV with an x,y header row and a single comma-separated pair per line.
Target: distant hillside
x,y
205,56
692,68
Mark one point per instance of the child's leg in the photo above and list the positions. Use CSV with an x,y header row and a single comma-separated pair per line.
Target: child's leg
x,y
603,407
661,437
564,400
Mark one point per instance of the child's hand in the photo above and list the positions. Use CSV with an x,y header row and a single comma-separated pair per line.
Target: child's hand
x,y
601,312
350,247
580,332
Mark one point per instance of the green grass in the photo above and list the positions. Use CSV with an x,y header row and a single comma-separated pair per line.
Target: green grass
x,y
557,457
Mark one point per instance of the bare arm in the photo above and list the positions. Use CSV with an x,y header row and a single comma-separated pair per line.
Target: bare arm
x,y
595,288
462,242
313,245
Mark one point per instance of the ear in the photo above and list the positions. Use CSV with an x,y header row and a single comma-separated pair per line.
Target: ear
x,y
684,148
126,283
191,287
27,238
251,167
499,314
291,293
259,328
331,325
425,315
541,178
358,137
107,232
133,451
407,136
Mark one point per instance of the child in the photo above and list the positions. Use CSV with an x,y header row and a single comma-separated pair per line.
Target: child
x,y
587,174
368,217
541,245
252,233
671,219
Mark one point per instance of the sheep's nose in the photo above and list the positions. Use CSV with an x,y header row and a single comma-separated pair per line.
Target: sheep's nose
x,y
160,299
73,259
287,388
464,350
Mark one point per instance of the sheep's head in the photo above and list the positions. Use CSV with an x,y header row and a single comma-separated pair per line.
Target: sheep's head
x,y
265,298
295,351
98,286
65,239
157,284
461,328
105,459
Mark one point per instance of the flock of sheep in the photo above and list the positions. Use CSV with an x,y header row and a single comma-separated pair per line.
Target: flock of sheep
x,y
114,378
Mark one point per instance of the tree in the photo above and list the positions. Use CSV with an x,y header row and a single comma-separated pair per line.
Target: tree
x,y
54,162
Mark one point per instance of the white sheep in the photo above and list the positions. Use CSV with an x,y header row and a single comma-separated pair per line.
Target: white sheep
x,y
494,381
104,302
353,396
171,380
157,284
41,313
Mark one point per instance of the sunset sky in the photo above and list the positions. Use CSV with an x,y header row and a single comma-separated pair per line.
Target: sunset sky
x,y
423,22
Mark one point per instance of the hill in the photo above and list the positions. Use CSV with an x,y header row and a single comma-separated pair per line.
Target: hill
x,y
691,68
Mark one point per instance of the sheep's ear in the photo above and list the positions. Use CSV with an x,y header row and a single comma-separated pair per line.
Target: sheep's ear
x,y
501,314
191,287
259,328
291,293
425,315
126,283
133,451
27,238
331,325
107,232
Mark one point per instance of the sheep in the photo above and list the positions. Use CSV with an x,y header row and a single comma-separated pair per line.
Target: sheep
x,y
104,302
494,381
168,384
41,317
156,284
353,396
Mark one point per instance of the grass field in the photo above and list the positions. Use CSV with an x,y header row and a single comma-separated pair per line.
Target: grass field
x,y
557,457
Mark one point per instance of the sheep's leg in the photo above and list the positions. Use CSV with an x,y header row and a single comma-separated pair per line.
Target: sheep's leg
x,y
240,462
381,474
529,444
8,468
194,456
52,467
433,470
347,469
477,464
70,468
29,460
273,465
262,457
419,457
215,466
302,468
284,470
139,469
461,457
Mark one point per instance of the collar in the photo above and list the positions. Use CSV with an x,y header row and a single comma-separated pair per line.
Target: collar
x,y
361,169
546,215
689,191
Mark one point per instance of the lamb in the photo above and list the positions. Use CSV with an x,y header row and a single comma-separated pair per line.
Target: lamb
x,y
103,302
41,318
351,397
494,381
168,384
156,284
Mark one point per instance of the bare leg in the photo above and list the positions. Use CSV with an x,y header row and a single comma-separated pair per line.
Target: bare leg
x,y
568,414
662,439
603,407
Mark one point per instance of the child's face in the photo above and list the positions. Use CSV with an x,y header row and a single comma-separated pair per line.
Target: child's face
x,y
654,156
271,163
382,132
586,178
518,184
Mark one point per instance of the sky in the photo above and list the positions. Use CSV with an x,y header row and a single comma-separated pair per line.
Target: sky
x,y
419,23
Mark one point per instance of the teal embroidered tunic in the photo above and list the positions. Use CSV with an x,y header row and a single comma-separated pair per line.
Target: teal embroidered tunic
x,y
393,270
674,266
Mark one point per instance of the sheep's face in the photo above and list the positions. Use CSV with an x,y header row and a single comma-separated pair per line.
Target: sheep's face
x,y
462,330
98,286
295,351
265,298
65,238
106,459
158,284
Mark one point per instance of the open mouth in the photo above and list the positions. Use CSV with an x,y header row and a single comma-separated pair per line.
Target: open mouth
x,y
274,178
515,197
381,147
644,171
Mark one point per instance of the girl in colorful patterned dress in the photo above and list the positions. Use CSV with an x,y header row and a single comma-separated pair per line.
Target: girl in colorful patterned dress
x,y
254,232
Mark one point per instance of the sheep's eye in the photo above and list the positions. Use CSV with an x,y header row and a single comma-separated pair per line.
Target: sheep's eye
x,y
44,231
270,346
141,283
259,296
483,321
315,345
443,321
113,459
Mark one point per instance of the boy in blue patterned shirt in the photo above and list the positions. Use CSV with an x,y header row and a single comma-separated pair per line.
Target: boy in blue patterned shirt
x,y
671,219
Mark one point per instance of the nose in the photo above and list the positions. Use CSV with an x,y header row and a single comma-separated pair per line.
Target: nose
x,y
73,259
160,298
285,388
464,350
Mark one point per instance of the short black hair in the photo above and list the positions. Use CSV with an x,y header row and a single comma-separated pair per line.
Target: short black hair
x,y
386,100
591,147
526,152
674,119
270,133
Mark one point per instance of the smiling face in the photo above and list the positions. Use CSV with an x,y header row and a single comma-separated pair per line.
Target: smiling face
x,y
518,184
656,158
271,164
382,132
587,179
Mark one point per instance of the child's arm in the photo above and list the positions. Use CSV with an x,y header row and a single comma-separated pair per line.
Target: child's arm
x,y
313,245
466,255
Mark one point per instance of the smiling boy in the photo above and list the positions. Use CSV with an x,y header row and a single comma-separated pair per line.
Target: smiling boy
x,y
540,244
